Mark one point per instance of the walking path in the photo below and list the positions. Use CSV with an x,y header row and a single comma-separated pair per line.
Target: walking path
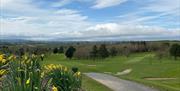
x,y
117,84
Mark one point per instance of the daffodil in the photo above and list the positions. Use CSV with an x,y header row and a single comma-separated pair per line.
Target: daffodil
x,y
33,55
2,57
28,81
54,88
78,73
3,72
65,69
42,74
3,61
12,57
25,57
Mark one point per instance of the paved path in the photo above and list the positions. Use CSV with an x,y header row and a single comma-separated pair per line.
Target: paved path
x,y
117,84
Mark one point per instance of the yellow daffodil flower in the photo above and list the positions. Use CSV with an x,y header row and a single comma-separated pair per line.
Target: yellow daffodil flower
x,y
3,61
3,72
2,57
54,88
28,81
78,73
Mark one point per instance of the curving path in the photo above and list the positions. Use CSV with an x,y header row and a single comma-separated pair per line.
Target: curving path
x,y
117,84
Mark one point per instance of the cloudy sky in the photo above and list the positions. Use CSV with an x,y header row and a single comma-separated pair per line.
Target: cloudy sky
x,y
90,19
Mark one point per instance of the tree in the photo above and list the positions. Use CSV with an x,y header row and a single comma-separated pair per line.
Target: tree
x,y
113,51
94,52
126,51
21,51
61,49
55,50
175,50
162,50
70,51
103,52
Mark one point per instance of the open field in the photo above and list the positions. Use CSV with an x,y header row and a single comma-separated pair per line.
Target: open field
x,y
142,65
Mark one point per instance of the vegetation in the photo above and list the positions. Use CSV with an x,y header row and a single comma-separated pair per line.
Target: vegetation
x,y
143,65
26,74
34,66
113,51
61,49
70,52
94,52
103,52
175,50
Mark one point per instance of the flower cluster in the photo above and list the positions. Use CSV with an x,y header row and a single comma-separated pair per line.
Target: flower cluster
x,y
26,74
63,78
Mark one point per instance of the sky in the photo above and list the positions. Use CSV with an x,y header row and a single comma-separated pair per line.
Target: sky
x,y
90,20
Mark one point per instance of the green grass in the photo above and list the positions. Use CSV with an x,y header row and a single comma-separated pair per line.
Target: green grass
x,y
91,85
142,65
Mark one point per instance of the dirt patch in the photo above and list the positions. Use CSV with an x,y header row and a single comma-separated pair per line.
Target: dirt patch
x,y
153,78
127,71
91,65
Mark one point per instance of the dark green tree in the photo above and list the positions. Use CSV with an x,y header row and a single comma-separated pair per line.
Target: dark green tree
x,y
175,51
103,52
70,51
55,50
94,52
21,51
61,49
113,51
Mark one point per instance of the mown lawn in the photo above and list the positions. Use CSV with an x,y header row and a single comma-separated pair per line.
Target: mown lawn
x,y
143,65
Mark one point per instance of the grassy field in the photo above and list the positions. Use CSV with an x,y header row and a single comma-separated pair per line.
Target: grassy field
x,y
91,85
143,65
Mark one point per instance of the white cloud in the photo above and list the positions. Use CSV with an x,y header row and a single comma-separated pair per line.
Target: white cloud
x,y
28,20
113,29
61,3
99,4
164,6
37,23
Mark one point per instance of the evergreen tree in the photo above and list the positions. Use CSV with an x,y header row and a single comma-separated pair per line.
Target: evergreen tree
x,y
55,50
175,50
70,51
61,49
103,52
94,52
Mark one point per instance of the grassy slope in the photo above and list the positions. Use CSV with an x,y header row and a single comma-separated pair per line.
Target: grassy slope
x,y
142,64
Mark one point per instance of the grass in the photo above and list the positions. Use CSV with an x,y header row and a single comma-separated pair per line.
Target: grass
x,y
91,85
142,65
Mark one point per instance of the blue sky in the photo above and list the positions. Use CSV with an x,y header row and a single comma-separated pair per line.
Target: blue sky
x,y
90,20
